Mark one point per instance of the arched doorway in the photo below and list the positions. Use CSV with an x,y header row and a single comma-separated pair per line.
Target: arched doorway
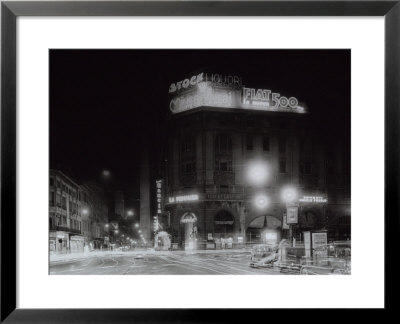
x,y
189,220
264,229
224,223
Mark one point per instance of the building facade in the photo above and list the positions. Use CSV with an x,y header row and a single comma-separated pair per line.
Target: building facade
x,y
77,215
243,163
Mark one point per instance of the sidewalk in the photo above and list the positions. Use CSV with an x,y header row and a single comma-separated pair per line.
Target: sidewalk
x,y
80,255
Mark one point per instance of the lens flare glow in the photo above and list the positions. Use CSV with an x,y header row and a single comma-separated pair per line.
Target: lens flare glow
x,y
289,194
261,201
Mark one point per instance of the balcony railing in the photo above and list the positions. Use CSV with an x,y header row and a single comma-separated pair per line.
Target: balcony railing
x,y
65,229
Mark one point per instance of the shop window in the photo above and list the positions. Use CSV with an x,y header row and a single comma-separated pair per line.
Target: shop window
x,y
265,143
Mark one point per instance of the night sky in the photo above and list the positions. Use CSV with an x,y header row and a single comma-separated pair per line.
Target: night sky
x,y
106,104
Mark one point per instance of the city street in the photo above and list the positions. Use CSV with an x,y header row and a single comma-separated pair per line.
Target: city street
x,y
222,262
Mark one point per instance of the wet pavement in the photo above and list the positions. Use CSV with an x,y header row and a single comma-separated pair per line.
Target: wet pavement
x,y
222,262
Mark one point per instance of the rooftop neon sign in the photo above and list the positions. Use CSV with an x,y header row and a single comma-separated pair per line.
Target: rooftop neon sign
x,y
216,90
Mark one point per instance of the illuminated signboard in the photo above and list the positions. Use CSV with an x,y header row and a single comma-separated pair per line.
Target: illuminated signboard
x,y
204,96
268,100
159,204
226,91
292,215
313,199
218,80
183,198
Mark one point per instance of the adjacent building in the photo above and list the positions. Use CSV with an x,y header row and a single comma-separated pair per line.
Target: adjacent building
x,y
77,215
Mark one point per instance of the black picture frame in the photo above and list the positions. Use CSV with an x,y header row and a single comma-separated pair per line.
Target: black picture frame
x,y
10,10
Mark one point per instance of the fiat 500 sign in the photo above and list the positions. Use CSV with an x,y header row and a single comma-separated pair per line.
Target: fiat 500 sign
x,y
267,98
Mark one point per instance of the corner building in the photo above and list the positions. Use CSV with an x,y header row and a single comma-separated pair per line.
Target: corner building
x,y
218,134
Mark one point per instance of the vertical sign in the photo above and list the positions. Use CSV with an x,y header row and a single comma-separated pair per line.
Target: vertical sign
x,y
159,204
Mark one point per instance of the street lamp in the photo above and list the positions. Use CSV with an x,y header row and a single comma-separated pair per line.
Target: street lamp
x,y
130,213
105,173
136,225
261,201
289,194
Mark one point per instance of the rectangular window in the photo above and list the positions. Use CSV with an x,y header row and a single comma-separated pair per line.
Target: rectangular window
x,y
223,166
52,199
249,142
224,188
51,182
265,143
282,166
58,200
64,203
282,144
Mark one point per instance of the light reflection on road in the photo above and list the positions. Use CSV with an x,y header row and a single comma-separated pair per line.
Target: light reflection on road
x,y
158,263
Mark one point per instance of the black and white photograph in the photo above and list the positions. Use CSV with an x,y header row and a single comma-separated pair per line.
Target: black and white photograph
x,y
199,162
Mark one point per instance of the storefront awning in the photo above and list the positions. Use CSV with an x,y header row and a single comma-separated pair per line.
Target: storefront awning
x,y
188,217
223,222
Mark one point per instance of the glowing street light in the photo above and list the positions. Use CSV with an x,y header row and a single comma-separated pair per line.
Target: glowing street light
x,y
261,201
137,225
85,211
257,173
139,231
106,173
116,232
130,213
289,194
